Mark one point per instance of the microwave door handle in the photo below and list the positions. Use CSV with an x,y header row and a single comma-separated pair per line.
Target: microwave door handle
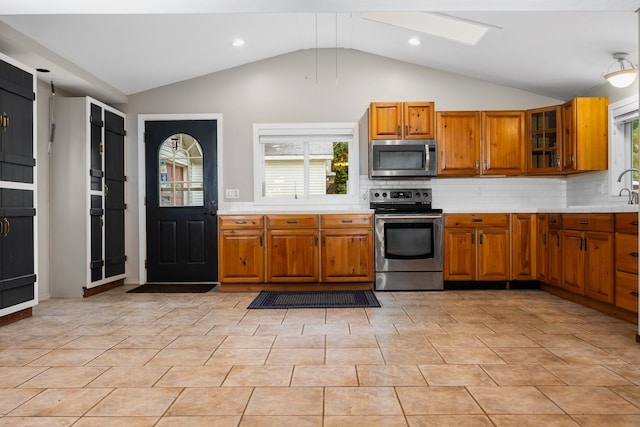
x,y
426,158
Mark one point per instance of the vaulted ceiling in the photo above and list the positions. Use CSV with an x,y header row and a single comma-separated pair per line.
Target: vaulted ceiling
x,y
554,48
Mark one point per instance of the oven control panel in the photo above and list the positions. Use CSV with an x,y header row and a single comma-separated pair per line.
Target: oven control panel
x,y
399,196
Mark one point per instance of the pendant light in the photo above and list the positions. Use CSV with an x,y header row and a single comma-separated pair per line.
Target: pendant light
x,y
624,76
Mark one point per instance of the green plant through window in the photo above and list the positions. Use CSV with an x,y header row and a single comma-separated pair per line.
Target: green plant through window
x,y
634,152
340,168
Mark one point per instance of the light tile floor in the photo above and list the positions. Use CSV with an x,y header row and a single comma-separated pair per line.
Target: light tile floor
x,y
454,358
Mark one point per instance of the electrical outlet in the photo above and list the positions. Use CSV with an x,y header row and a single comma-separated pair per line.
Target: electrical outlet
x,y
232,194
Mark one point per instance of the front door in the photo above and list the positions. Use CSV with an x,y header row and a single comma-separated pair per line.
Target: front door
x,y
181,200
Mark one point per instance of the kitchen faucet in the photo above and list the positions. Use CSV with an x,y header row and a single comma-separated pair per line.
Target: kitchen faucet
x,y
633,195
627,171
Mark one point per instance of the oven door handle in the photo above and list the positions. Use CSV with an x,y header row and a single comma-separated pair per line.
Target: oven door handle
x,y
408,216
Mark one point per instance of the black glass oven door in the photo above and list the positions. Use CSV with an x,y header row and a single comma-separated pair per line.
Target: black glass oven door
x,y
409,240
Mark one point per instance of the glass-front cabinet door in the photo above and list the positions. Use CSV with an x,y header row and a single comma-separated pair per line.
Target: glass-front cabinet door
x,y
544,139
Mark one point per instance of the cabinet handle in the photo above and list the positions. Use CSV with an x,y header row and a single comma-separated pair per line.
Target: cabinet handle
x,y
241,222
584,222
7,227
399,130
406,130
476,219
261,241
292,221
315,240
634,254
580,244
477,164
481,239
585,243
484,165
633,293
557,240
634,223
346,221
544,239
473,239
324,241
553,221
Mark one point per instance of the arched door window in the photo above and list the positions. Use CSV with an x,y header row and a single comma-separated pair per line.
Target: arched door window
x,y
181,173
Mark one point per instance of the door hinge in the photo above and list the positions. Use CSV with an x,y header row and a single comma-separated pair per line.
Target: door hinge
x,y
101,148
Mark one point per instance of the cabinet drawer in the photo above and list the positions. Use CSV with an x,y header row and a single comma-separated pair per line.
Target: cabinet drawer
x,y
627,223
591,222
627,253
627,291
476,220
292,221
346,221
229,222
555,220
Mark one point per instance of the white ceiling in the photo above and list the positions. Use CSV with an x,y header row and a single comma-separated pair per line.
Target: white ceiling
x,y
117,48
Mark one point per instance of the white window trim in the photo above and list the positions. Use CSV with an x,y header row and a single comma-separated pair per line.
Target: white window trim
x,y
619,153
346,200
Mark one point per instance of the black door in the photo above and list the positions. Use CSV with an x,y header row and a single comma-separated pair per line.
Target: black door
x,y
16,124
181,200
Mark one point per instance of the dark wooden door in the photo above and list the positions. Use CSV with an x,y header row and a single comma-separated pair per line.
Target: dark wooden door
x,y
16,123
181,209
114,197
17,273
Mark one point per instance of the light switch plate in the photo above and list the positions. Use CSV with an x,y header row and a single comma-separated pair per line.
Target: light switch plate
x,y
232,193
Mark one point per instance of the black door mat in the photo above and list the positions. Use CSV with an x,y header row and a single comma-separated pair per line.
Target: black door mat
x,y
172,288
328,299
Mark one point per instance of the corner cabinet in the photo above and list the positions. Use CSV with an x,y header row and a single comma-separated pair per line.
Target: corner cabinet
x,y
545,140
18,177
401,120
87,198
585,135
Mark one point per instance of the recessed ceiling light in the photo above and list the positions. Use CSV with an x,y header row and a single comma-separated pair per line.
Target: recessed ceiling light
x,y
414,41
435,24
238,43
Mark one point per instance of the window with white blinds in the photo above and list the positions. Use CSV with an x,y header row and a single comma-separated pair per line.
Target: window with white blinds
x,y
306,163
623,146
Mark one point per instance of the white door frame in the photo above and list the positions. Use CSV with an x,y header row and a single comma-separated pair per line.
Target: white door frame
x,y
142,212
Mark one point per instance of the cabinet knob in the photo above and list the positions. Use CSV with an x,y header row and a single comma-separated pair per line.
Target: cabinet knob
x,y
634,254
634,223
584,222
633,293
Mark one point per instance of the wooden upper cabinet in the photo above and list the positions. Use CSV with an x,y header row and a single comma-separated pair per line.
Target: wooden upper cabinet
x,y
419,120
402,120
458,142
544,140
585,134
503,142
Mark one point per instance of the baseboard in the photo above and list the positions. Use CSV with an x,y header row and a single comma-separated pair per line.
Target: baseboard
x,y
14,317
88,292
295,287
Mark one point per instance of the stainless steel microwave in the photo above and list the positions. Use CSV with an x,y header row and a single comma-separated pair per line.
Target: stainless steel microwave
x,y
403,158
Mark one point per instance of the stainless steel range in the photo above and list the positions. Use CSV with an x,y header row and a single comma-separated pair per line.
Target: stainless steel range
x,y
408,239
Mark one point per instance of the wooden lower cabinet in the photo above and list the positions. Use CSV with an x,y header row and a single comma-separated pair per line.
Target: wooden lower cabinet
x,y
286,251
542,248
292,255
346,248
588,255
626,255
476,247
554,257
523,246
241,249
